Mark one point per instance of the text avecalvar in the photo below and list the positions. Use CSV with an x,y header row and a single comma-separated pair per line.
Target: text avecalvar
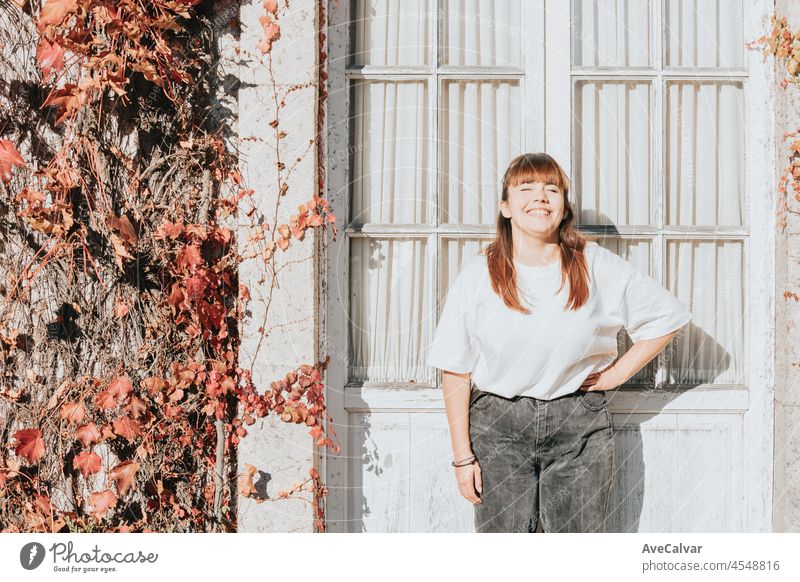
x,y
671,549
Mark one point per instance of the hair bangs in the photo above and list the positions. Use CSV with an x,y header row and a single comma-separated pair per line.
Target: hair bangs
x,y
537,167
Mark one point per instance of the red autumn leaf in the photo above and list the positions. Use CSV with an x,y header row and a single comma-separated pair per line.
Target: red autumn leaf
x,y
102,501
124,474
88,434
223,234
184,375
210,316
189,257
170,229
107,432
68,100
196,286
127,428
122,386
136,407
9,157
73,412
105,399
30,444
42,503
119,388
124,227
246,487
120,252
121,307
126,230
87,463
176,297
50,57
270,6
244,292
54,12
154,384
176,395
272,32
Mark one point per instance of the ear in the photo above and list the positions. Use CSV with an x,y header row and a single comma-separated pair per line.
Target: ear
x,y
504,210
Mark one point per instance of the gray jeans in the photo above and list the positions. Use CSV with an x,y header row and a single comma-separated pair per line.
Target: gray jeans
x,y
548,460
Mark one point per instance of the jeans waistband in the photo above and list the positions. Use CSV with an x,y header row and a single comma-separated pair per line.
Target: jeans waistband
x,y
475,393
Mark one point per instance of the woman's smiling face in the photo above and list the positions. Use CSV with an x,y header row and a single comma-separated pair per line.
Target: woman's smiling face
x,y
534,207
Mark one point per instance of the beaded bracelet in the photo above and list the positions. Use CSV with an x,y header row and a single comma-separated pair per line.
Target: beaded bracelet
x,y
461,463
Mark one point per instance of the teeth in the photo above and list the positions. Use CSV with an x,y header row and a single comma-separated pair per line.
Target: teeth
x,y
539,212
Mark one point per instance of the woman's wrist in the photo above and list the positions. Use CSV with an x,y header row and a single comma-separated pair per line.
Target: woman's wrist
x,y
462,454
610,378
463,462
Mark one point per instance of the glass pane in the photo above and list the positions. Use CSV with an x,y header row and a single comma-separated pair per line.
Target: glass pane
x,y
391,32
390,152
611,33
707,276
639,253
705,153
389,310
703,34
482,33
481,134
613,141
454,252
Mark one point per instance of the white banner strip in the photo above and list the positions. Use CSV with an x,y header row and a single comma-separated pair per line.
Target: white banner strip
x,y
417,557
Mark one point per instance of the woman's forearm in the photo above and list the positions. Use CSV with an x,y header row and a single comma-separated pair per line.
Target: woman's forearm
x,y
456,388
638,356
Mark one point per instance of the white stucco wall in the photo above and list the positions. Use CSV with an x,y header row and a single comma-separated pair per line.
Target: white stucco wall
x,y
786,505
283,453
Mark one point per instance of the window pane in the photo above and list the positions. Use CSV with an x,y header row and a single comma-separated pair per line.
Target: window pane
x,y
390,152
481,134
391,32
613,151
482,33
703,34
639,252
389,309
705,153
453,254
611,33
707,276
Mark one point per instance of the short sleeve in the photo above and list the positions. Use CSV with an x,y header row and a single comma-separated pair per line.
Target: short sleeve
x,y
649,310
453,347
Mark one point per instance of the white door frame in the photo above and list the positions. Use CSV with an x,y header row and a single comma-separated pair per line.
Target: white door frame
x,y
754,402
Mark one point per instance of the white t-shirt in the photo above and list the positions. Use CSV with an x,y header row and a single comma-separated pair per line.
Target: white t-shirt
x,y
549,352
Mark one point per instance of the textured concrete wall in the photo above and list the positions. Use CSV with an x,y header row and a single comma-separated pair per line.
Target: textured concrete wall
x,y
786,499
282,452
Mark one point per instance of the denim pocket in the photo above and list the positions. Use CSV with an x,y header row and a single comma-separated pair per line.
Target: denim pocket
x,y
593,400
480,399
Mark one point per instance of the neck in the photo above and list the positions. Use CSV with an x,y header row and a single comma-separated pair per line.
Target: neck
x,y
535,250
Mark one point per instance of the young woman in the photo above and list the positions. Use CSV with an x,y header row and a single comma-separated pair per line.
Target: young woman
x,y
526,342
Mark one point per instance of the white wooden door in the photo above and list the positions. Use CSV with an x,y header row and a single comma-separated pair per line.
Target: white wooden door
x,y
647,106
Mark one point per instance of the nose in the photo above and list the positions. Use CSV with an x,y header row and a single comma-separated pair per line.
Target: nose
x,y
539,192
